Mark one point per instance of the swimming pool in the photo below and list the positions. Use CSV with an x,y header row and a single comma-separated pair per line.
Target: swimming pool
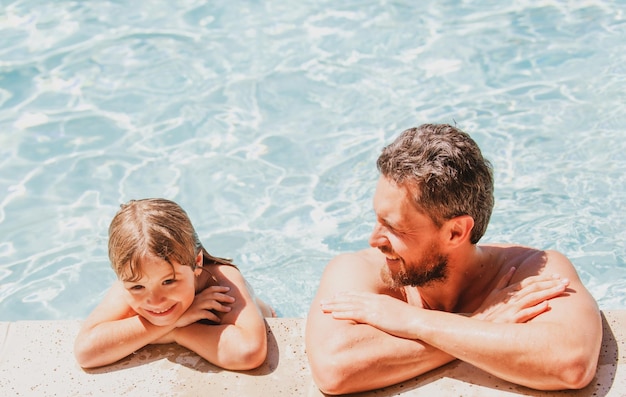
x,y
264,121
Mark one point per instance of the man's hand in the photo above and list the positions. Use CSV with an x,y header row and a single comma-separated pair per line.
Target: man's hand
x,y
378,310
515,303
521,301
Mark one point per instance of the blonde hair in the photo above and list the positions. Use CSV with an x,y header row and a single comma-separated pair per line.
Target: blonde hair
x,y
156,227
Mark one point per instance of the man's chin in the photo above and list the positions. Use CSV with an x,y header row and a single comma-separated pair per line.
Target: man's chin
x,y
390,279
401,280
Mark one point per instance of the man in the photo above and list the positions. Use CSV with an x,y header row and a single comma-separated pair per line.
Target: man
x,y
426,293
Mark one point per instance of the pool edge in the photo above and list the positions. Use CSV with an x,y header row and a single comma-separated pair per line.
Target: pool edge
x,y
37,359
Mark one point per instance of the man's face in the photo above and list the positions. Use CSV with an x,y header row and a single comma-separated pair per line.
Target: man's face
x,y
408,238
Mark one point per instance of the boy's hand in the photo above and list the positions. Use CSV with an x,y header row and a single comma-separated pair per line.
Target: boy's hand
x,y
211,299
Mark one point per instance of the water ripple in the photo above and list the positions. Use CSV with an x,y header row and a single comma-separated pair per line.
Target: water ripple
x,y
264,121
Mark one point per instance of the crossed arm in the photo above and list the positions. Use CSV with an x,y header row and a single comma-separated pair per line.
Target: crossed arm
x,y
237,342
364,340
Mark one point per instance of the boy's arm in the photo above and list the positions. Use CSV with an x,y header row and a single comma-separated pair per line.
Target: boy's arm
x,y
239,342
113,331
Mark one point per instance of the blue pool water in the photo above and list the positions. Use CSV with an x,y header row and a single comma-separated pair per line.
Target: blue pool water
x,y
264,120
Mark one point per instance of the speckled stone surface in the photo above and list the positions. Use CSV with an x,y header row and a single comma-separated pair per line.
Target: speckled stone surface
x,y
36,359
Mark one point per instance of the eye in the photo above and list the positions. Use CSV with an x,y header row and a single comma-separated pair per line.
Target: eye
x,y
390,229
169,281
386,225
136,288
397,232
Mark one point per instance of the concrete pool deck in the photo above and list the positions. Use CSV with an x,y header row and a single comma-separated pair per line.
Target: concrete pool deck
x,y
36,359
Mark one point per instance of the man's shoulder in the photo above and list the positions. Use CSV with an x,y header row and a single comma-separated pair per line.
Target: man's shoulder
x,y
359,269
526,259
516,252
367,257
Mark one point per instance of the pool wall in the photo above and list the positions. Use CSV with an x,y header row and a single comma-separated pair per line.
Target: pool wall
x,y
36,359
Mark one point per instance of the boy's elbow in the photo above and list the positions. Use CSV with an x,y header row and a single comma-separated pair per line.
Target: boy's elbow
x,y
85,357
82,359
254,356
88,354
249,355
80,353
88,364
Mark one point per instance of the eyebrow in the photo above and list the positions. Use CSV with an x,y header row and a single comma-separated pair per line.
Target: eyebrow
x,y
388,223
382,219
173,275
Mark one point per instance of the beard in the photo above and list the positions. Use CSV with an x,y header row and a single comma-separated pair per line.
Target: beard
x,y
432,268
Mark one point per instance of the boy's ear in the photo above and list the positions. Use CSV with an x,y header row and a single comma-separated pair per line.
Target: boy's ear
x,y
459,230
197,269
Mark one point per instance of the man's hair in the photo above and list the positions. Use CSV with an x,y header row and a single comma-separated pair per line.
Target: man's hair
x,y
445,172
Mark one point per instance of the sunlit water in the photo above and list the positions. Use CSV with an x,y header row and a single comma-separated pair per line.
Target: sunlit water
x,y
264,121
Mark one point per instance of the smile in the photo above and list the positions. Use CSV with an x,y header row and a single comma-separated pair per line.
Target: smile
x,y
161,312
392,258
393,262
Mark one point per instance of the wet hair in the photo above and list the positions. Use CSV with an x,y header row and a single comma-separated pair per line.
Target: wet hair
x,y
445,172
157,227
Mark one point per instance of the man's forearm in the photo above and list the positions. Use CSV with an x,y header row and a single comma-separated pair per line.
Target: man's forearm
x,y
540,355
359,357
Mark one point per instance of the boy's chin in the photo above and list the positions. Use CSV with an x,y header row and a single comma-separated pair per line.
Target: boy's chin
x,y
160,322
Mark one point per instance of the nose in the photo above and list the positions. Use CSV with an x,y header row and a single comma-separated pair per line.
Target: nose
x,y
377,238
155,297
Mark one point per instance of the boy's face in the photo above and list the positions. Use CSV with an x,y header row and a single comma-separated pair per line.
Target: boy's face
x,y
161,296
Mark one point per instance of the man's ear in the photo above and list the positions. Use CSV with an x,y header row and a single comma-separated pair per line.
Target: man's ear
x,y
198,264
459,229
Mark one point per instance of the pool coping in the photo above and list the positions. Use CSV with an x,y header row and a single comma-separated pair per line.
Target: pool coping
x,y
36,359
